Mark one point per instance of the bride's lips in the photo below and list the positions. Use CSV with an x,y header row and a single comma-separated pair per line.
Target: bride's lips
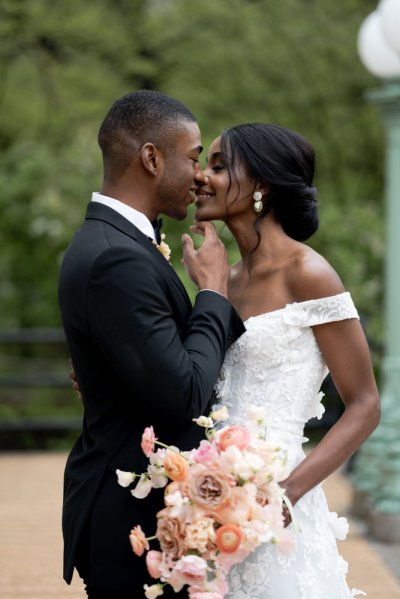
x,y
202,196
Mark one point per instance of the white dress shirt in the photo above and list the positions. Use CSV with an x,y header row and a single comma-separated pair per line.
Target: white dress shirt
x,y
137,218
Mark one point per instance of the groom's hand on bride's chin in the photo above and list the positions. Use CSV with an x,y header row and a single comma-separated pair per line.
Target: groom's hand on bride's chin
x,y
208,266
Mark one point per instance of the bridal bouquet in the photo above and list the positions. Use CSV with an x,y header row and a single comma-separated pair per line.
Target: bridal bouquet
x,y
222,500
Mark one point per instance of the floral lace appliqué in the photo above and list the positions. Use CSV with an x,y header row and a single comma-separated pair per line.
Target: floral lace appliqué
x,y
277,364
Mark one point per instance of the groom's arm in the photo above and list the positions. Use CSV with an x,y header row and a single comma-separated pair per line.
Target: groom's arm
x,y
133,323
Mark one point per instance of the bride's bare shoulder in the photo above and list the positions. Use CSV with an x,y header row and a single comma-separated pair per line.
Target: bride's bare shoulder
x,y
311,277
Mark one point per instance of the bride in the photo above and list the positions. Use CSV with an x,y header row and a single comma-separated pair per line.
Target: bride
x,y
300,322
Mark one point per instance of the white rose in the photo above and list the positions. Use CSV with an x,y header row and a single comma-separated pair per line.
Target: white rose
x,y
125,478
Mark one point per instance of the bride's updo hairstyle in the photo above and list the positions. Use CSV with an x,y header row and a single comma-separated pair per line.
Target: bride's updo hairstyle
x,y
282,161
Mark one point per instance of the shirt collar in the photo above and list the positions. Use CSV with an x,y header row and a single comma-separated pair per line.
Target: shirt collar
x,y
137,218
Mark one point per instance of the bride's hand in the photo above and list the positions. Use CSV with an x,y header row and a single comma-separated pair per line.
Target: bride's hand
x,y
286,515
75,384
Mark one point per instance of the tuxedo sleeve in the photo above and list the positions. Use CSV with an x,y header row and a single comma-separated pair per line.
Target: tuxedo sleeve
x,y
133,323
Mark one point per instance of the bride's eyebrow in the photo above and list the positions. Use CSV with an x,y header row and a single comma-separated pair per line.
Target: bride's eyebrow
x,y
215,156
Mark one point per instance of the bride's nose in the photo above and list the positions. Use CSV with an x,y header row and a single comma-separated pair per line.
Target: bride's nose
x,y
201,178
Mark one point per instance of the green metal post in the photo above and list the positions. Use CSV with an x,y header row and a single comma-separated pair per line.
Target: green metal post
x,y
377,472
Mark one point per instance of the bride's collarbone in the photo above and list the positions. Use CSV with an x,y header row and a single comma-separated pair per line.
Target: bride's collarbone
x,y
259,299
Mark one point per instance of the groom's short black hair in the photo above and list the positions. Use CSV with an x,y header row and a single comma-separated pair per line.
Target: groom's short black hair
x,y
135,119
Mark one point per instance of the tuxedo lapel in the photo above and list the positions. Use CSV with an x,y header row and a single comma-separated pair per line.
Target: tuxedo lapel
x,y
97,211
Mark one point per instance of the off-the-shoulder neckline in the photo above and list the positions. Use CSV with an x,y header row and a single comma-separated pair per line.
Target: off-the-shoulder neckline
x,y
311,301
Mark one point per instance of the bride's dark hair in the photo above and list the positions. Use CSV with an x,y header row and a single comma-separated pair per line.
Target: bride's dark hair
x,y
282,161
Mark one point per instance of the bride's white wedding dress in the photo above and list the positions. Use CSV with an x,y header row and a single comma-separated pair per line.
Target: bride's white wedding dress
x,y
277,364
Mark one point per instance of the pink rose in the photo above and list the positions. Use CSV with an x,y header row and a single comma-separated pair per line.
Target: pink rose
x,y
213,589
233,435
153,563
205,595
191,569
205,453
148,441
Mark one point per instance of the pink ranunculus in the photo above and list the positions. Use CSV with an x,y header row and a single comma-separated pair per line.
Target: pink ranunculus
x,y
217,585
233,435
148,441
138,541
228,538
191,569
153,563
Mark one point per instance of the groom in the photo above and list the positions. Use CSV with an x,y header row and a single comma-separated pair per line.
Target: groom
x,y
142,355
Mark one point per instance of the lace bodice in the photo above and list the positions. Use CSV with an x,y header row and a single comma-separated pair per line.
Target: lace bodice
x,y
277,364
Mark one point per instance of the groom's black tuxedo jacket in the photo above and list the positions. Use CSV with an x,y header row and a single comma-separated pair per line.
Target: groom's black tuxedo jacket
x,y
143,356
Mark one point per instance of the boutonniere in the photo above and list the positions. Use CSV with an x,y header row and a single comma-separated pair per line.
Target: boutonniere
x,y
163,247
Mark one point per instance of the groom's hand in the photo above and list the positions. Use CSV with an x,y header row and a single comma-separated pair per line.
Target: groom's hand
x,y
208,266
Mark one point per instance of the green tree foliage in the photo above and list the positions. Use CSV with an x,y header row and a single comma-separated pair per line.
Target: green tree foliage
x,y
292,62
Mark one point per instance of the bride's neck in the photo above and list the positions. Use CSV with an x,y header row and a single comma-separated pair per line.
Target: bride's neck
x,y
263,242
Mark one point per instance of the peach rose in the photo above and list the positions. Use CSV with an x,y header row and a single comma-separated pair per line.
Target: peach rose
x,y
207,487
233,435
153,563
138,541
170,534
175,466
228,538
239,507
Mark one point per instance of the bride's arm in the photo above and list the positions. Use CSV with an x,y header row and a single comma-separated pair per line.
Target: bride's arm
x,y
345,350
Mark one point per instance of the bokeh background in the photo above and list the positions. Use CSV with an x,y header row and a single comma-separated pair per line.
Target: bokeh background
x,y
62,64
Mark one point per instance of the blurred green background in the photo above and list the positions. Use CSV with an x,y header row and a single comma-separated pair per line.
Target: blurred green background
x,y
292,62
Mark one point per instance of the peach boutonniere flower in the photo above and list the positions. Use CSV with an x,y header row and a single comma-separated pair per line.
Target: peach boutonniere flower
x,y
163,247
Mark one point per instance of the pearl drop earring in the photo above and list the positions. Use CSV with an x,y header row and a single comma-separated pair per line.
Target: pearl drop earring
x,y
258,205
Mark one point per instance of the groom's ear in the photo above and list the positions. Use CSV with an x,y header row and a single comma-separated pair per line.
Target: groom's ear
x,y
151,158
